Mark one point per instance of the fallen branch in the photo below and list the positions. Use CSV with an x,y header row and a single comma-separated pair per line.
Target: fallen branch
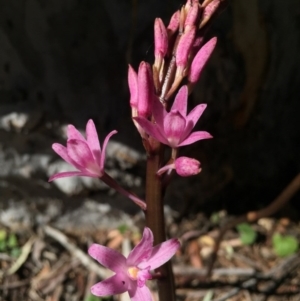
x,y
75,251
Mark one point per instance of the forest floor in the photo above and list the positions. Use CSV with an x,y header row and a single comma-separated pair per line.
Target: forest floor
x,y
43,253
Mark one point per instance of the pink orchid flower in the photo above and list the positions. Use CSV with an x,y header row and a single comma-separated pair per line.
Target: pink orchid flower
x,y
174,128
132,273
84,154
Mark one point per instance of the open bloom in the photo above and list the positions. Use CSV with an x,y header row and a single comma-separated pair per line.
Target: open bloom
x,y
84,154
174,128
184,167
132,273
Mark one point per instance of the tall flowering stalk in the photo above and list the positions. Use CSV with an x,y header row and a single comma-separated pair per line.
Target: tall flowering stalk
x,y
162,119
180,53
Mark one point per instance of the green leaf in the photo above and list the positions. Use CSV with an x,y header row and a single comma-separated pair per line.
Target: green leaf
x,y
3,246
15,252
94,298
284,245
12,241
215,218
123,228
91,298
247,234
3,235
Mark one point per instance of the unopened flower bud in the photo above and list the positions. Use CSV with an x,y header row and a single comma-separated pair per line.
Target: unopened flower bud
x,y
184,46
160,39
209,10
133,87
186,167
174,23
145,90
200,60
192,15
188,5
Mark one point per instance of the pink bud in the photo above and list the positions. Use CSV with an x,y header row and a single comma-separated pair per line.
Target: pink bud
x,y
186,167
174,23
188,5
200,60
192,15
160,38
209,11
133,87
184,47
146,90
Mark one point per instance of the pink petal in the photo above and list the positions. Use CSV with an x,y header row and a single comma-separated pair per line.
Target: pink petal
x,y
103,154
174,125
93,140
73,133
200,60
109,258
133,87
62,152
140,294
71,174
161,254
196,113
180,102
195,136
116,284
142,250
80,153
159,112
151,129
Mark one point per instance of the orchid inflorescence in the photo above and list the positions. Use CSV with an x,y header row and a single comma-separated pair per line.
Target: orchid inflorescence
x,y
180,53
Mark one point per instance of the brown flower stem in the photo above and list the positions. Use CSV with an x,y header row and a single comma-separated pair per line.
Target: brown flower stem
x,y
253,216
155,219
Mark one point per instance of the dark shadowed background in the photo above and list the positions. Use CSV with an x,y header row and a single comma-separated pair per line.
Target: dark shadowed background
x,y
65,61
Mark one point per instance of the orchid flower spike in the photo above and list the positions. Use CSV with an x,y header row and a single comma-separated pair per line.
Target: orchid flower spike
x,y
174,128
132,273
184,167
84,154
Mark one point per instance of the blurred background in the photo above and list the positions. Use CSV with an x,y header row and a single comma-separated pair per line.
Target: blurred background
x,y
65,61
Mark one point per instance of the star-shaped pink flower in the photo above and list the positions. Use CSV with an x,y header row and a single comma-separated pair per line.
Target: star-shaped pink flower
x,y
132,273
84,154
174,128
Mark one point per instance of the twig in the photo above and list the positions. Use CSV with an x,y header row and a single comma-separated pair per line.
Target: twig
x,y
196,272
14,285
253,216
276,274
22,258
75,251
